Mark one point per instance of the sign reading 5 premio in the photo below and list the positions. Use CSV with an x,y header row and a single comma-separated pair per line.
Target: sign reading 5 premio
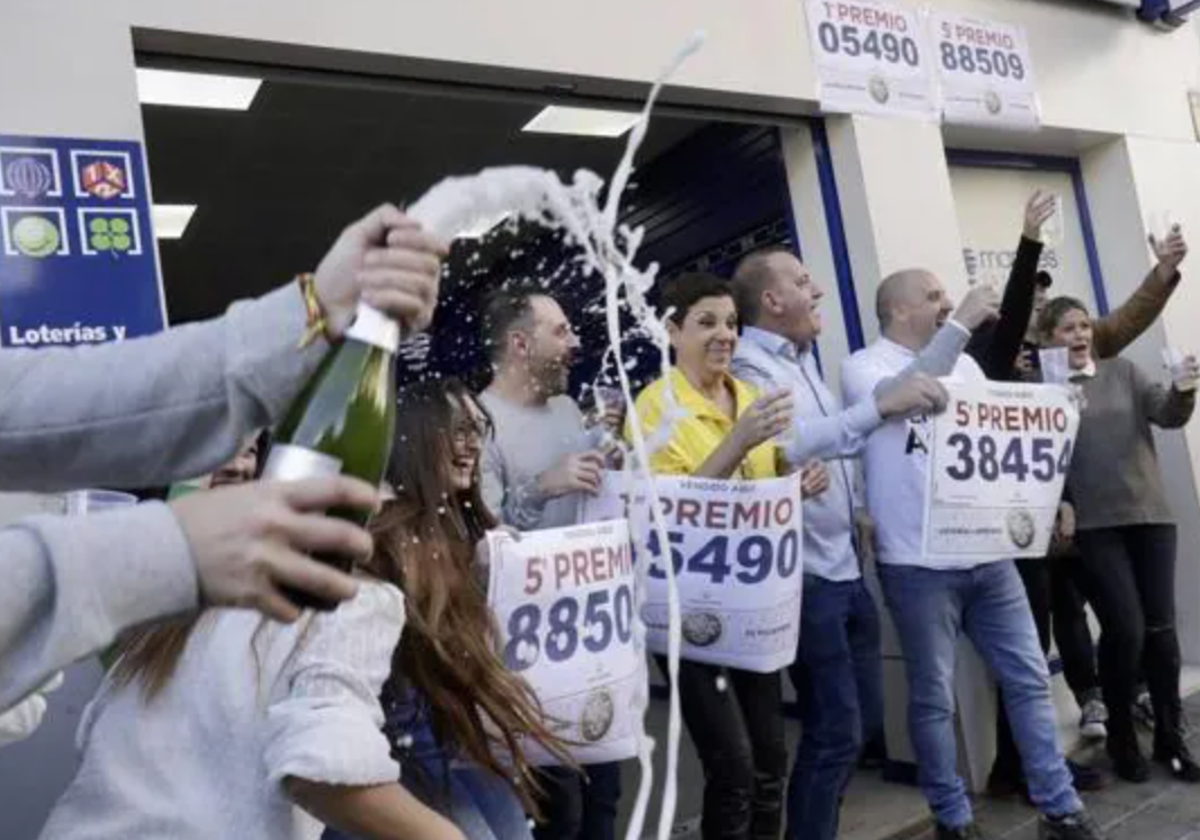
x,y
871,58
735,549
997,463
985,72
77,255
564,603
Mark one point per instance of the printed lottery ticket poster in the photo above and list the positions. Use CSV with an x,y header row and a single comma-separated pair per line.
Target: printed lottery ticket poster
x,y
736,550
998,458
985,72
871,58
563,601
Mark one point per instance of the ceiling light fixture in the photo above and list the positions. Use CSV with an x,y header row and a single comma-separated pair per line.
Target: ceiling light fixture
x,y
590,122
171,220
195,90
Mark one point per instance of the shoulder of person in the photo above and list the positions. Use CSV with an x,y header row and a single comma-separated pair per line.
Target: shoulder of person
x,y
564,404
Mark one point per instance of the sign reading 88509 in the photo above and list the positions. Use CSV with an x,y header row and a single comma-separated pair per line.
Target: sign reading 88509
x,y
980,50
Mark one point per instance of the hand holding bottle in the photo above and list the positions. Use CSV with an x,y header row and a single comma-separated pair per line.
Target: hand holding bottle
x,y
251,541
386,261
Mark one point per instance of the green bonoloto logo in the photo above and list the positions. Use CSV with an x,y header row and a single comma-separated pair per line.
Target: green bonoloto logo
x,y
36,236
109,234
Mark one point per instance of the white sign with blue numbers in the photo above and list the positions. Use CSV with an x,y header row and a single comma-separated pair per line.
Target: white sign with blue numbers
x,y
985,72
998,458
871,57
563,600
736,550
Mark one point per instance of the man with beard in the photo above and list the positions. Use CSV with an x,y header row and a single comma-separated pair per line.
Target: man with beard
x,y
540,460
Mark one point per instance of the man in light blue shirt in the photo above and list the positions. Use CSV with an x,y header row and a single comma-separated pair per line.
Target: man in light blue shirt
x,y
837,670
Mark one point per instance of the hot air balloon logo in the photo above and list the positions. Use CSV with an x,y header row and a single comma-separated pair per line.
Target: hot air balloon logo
x,y
29,173
29,177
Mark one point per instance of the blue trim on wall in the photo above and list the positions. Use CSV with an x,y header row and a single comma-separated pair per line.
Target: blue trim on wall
x,y
837,236
1046,163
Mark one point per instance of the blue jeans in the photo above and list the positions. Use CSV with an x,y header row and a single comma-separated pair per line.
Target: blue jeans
x,y
839,689
482,806
932,609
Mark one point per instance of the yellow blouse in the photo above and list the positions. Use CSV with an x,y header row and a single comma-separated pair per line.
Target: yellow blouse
x,y
698,434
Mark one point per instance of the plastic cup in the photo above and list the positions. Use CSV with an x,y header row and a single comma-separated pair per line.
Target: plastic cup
x,y
1052,228
1175,360
1056,365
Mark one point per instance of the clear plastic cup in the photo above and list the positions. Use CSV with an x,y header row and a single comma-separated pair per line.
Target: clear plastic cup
x,y
1052,228
1175,361
82,502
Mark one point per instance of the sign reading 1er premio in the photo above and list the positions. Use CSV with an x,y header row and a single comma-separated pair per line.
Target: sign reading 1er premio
x,y
997,463
77,257
985,72
871,57
736,552
563,601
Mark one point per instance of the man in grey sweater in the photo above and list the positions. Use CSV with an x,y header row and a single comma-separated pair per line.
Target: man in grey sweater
x,y
535,470
157,409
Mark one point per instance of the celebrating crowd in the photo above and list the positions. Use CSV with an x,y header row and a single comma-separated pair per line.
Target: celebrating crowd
x,y
229,712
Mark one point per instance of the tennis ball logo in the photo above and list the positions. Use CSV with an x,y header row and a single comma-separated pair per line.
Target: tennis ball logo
x,y
35,236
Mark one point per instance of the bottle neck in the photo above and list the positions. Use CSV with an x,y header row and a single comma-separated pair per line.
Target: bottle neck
x,y
373,327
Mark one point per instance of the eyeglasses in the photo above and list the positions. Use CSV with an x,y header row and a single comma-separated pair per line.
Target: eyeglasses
x,y
467,431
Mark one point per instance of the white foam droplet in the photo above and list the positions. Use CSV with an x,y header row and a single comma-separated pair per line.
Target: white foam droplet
x,y
722,683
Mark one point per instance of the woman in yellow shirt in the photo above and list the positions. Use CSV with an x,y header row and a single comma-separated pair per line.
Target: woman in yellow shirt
x,y
735,718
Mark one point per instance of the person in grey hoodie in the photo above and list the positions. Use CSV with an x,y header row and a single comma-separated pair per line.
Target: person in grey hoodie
x,y
153,410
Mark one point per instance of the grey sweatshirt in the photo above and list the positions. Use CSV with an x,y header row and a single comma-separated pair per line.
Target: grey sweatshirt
x,y
1114,478
527,442
133,414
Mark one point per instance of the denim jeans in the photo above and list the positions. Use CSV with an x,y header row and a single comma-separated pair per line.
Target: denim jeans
x,y
839,691
932,609
483,806
576,807
735,719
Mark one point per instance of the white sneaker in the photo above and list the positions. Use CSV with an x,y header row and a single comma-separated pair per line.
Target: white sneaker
x,y
1092,721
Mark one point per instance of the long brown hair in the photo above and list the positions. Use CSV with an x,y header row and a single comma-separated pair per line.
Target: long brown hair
x,y
425,541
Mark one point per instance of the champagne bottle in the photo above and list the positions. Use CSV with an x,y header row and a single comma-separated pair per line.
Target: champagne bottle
x,y
343,421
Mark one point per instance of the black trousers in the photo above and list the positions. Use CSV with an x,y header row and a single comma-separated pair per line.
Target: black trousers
x,y
735,719
1128,576
1056,602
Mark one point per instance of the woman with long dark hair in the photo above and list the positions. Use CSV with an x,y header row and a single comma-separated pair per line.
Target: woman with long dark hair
x,y
224,725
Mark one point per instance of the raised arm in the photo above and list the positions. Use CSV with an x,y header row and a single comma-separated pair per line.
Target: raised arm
x,y
1121,327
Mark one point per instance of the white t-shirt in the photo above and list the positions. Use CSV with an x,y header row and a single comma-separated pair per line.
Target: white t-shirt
x,y
896,457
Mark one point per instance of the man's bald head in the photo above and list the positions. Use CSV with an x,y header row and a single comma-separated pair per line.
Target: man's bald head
x,y
900,289
912,306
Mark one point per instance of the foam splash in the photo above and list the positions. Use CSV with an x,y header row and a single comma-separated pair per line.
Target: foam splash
x,y
461,204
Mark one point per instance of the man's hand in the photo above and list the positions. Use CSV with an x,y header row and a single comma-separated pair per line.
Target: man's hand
x,y
1064,525
864,533
250,540
387,261
911,396
814,479
1038,210
767,417
581,472
1170,252
981,304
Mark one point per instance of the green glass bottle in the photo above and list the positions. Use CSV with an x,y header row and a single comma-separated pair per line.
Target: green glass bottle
x,y
343,421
